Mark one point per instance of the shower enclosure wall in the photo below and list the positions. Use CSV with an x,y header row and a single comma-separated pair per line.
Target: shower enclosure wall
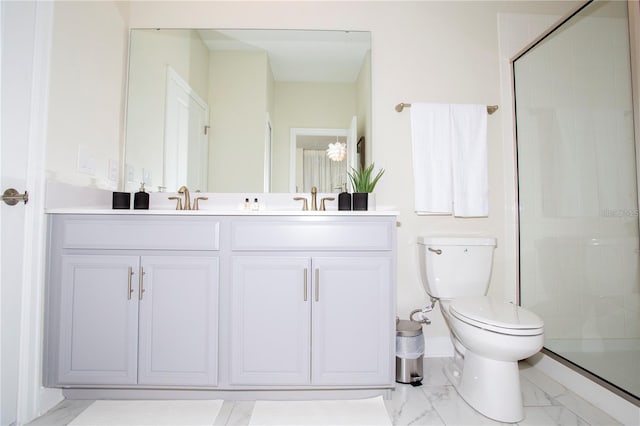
x,y
578,195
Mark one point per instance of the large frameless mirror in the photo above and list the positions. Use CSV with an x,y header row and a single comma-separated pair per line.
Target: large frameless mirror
x,y
215,109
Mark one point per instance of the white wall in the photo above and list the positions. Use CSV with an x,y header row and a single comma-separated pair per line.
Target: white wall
x,y
86,99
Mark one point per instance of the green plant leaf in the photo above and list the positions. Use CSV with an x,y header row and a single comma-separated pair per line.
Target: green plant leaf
x,y
361,180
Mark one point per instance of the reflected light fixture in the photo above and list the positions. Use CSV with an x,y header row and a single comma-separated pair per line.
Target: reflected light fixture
x,y
337,151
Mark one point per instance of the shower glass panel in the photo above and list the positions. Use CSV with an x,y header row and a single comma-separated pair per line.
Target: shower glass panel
x,y
577,189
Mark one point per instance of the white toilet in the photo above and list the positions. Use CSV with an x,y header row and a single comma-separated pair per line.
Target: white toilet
x,y
489,336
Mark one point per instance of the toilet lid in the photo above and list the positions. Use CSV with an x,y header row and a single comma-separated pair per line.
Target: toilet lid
x,y
501,317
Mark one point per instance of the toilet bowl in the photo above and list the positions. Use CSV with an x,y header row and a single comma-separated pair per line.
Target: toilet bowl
x,y
489,336
495,336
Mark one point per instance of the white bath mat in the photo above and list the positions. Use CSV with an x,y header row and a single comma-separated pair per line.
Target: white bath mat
x,y
348,412
142,413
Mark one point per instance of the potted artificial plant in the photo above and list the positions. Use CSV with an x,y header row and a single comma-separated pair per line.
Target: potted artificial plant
x,y
363,182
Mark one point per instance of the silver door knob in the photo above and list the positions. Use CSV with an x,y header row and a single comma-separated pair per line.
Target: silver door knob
x,y
13,197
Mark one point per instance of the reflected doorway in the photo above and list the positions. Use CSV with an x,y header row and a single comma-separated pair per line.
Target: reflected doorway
x,y
310,165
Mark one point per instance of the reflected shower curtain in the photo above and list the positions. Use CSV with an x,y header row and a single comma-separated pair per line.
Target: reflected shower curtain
x,y
323,173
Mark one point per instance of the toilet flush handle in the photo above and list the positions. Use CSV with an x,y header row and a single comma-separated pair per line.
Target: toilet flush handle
x,y
436,251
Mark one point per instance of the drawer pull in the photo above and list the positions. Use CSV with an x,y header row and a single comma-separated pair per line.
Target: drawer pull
x,y
129,284
141,283
305,285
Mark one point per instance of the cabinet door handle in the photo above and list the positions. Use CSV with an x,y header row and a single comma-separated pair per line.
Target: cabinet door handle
x,y
305,285
129,283
141,283
317,285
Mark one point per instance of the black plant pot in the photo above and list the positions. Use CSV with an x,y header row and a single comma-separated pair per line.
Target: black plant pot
x,y
360,200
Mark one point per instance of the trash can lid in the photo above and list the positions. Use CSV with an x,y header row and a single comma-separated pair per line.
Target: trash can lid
x,y
407,328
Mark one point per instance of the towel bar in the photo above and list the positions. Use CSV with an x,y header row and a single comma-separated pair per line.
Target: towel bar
x,y
490,108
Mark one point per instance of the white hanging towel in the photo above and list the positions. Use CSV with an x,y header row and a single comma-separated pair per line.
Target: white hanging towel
x,y
469,160
450,159
432,172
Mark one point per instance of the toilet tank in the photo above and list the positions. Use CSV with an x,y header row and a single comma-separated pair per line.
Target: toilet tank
x,y
453,267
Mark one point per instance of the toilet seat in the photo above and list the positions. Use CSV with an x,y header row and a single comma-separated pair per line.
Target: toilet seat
x,y
499,317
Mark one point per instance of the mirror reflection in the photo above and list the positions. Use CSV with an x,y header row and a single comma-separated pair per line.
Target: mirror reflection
x,y
246,110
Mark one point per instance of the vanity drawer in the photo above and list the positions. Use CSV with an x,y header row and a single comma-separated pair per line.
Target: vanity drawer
x,y
157,234
360,235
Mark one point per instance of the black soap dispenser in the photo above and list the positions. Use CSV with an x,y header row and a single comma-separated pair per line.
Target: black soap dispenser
x,y
141,199
344,201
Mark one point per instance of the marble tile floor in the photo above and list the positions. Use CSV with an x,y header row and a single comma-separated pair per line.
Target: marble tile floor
x,y
436,402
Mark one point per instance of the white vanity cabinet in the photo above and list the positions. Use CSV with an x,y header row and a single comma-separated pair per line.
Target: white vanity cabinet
x,y
140,318
312,306
141,302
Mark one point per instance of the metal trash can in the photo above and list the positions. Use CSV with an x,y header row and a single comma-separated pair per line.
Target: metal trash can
x,y
409,352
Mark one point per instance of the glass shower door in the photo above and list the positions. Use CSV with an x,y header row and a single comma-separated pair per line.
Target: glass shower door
x,y
577,190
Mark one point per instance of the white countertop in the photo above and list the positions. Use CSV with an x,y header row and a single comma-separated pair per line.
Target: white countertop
x,y
69,199
163,212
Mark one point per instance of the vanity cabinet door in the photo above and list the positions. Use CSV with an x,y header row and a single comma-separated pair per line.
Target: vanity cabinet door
x,y
352,308
270,320
99,320
179,321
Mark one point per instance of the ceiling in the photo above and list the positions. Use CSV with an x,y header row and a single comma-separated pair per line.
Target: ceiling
x,y
300,55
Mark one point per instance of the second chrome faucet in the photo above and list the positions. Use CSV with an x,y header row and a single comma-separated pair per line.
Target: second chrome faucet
x,y
314,202
187,200
187,197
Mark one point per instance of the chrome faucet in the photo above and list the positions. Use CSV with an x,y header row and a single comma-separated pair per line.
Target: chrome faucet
x,y
314,203
305,206
187,197
196,206
322,205
178,201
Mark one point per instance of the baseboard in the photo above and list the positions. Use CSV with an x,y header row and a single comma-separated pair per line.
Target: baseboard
x,y
228,395
617,407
